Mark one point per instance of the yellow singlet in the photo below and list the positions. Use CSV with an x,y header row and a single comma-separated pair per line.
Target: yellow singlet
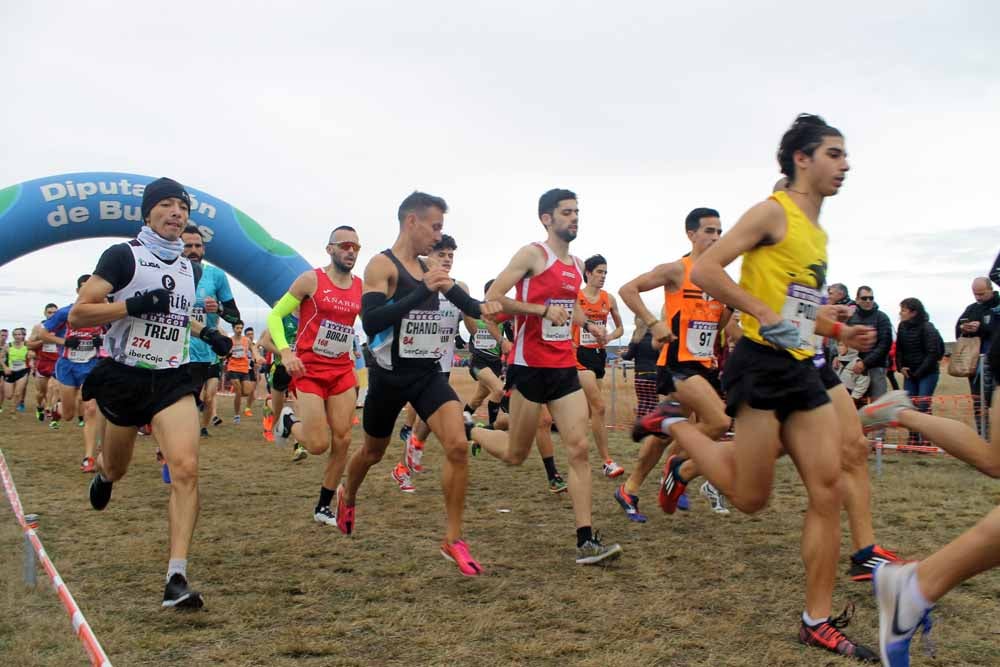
x,y
789,277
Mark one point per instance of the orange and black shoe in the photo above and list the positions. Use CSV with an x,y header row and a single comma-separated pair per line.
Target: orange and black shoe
x,y
865,561
652,423
827,635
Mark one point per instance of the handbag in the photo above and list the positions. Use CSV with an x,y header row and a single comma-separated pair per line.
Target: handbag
x,y
964,362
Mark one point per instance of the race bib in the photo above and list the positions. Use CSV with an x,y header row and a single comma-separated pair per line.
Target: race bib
x,y
800,308
420,335
700,339
484,340
586,338
238,352
51,348
83,352
198,314
555,333
157,340
18,365
333,339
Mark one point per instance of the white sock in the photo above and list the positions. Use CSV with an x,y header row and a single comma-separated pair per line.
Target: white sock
x,y
177,566
665,424
809,620
912,603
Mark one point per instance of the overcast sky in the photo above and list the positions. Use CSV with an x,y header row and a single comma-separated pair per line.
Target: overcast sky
x,y
311,115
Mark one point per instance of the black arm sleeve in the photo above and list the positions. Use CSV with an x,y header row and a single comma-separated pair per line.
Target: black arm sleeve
x,y
463,301
117,266
377,315
230,312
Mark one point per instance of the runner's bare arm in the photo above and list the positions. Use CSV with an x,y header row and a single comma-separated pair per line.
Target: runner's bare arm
x,y
525,262
762,224
35,341
616,317
92,307
670,276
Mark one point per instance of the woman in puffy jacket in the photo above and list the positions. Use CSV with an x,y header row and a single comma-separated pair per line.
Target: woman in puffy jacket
x,y
917,352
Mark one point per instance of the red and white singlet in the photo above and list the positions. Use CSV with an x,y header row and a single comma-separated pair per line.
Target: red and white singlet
x,y
326,325
538,343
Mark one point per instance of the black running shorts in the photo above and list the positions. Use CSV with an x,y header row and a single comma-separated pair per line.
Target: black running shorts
x,y
234,376
14,376
828,377
389,391
664,381
768,379
687,369
280,378
478,363
592,359
130,396
202,372
542,385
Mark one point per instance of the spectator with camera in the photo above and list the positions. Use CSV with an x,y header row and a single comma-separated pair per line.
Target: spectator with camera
x,y
875,361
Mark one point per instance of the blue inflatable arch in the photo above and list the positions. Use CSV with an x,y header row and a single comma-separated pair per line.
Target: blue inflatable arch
x,y
43,212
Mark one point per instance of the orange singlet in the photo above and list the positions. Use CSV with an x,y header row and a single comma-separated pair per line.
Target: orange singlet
x,y
694,319
596,313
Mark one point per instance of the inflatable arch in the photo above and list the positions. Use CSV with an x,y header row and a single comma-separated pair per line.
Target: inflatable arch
x,y
43,212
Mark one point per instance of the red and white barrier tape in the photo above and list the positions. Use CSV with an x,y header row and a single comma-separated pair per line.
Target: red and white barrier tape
x,y
919,449
80,625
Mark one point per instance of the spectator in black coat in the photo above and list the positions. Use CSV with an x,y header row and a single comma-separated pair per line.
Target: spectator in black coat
x,y
640,351
918,352
874,362
980,320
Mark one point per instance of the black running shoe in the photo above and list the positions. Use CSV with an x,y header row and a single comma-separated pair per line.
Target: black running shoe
x,y
179,596
404,433
100,492
827,635
204,432
216,420
650,423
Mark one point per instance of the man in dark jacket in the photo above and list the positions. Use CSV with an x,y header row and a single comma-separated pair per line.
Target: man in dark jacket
x,y
980,320
873,363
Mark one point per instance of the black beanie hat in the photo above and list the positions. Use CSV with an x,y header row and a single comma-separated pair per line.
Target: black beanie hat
x,y
160,189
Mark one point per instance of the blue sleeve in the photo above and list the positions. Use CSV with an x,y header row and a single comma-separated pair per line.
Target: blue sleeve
x,y
222,291
57,323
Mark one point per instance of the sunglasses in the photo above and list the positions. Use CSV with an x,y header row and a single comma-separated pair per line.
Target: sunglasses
x,y
866,298
348,245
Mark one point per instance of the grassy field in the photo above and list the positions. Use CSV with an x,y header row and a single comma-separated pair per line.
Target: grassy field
x,y
691,589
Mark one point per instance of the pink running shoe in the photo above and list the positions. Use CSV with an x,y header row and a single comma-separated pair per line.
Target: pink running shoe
x,y
345,514
458,553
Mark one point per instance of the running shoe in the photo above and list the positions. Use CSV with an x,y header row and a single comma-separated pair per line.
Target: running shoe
x,y
268,435
325,515
593,551
40,414
458,553
884,411
402,476
178,595
204,432
345,514
652,423
714,498
248,413
100,492
630,504
671,487
267,424
557,484
683,502
20,407
216,420
88,464
299,453
414,454
893,641
865,561
404,433
283,425
827,635
79,422
54,424
612,469
236,419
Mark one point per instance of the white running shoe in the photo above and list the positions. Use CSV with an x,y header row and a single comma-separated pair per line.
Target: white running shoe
x,y
612,469
894,641
325,515
714,498
283,425
884,411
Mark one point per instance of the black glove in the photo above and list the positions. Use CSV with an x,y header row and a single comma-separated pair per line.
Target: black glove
x,y
71,342
219,343
153,301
